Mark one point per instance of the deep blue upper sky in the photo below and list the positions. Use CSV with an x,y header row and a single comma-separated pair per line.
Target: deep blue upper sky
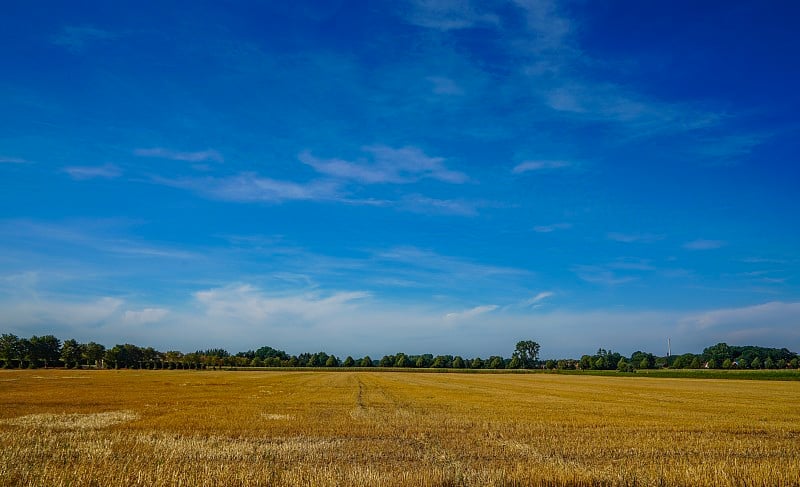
x,y
425,176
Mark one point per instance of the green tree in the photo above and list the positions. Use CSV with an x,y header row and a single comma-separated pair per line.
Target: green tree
x,y
332,361
756,363
458,362
46,349
401,360
439,362
366,361
622,365
93,353
386,361
695,363
11,349
528,353
476,363
127,356
600,363
643,360
349,362
71,352
496,362
268,352
727,364
718,352
515,363
769,364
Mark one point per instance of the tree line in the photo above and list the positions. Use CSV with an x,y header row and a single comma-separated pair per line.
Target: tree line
x,y
49,351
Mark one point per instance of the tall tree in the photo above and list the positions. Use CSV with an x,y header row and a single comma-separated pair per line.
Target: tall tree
x,y
93,353
45,349
10,349
71,352
528,353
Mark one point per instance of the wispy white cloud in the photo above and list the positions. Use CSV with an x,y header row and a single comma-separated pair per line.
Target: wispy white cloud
x,y
198,156
550,28
77,38
702,244
458,268
729,148
540,165
445,86
251,305
144,316
13,160
107,171
602,275
446,15
607,102
470,313
539,298
97,235
44,311
423,204
249,187
387,165
613,273
566,79
748,321
552,228
764,260
634,237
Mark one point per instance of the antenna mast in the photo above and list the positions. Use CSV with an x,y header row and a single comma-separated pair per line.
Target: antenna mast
x,y
669,348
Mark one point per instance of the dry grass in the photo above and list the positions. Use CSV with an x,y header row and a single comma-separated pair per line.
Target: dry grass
x,y
125,428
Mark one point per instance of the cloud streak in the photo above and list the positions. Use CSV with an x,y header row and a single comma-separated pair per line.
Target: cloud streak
x,y
552,228
13,160
80,173
77,38
541,165
704,244
423,204
250,188
634,237
534,301
387,165
470,313
447,15
145,316
198,156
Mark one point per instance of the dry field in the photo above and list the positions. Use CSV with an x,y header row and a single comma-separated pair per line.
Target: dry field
x,y
126,428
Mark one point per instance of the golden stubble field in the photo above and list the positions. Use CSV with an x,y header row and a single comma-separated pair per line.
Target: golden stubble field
x,y
126,428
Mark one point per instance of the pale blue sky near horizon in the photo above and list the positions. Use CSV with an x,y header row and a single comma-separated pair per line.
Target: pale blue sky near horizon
x,y
420,176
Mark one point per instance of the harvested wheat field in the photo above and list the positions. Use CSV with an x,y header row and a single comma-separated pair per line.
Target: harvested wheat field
x,y
125,428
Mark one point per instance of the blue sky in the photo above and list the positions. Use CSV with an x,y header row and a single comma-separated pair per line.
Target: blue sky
x,y
425,176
